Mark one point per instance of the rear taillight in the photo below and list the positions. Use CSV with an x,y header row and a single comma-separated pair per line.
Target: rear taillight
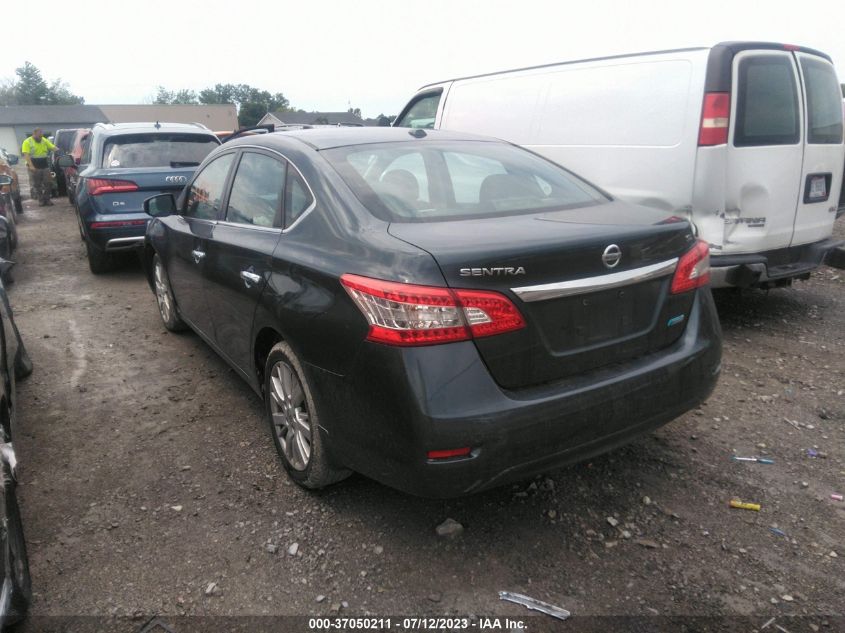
x,y
715,117
693,268
405,314
99,186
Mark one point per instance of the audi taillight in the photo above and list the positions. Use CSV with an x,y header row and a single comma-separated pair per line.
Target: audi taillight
x,y
99,186
693,268
715,118
407,314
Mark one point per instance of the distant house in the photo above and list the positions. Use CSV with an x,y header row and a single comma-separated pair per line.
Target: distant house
x,y
311,118
17,122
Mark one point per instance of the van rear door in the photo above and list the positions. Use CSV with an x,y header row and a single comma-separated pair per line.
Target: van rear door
x,y
764,161
821,177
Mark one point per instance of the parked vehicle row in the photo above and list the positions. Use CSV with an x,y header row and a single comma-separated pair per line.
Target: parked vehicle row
x,y
743,138
445,312
15,583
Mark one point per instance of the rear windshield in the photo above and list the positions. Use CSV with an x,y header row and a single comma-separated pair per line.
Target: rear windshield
x,y
824,102
430,181
157,150
64,139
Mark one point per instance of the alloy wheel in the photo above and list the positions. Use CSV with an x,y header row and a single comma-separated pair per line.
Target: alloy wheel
x,y
291,421
165,301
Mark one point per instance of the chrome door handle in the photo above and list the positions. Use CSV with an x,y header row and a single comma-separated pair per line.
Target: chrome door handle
x,y
250,278
198,255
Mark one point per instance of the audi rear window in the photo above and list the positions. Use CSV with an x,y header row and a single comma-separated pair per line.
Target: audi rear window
x,y
431,181
157,150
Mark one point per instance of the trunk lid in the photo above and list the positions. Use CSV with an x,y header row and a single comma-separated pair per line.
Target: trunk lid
x,y
150,181
573,327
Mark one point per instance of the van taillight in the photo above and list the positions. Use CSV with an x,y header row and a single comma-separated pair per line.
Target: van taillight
x,y
99,186
405,314
693,268
715,117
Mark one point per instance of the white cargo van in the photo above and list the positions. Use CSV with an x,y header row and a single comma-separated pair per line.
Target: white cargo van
x,y
743,138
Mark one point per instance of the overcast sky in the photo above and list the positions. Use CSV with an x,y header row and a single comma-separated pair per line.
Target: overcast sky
x,y
369,54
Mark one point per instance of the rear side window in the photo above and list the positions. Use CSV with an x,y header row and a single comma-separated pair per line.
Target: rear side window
x,y
422,112
206,193
156,150
298,198
256,197
824,102
767,102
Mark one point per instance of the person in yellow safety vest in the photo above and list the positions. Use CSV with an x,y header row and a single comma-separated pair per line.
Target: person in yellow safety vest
x,y
36,152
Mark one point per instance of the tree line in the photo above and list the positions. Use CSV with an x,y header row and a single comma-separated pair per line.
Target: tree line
x,y
30,88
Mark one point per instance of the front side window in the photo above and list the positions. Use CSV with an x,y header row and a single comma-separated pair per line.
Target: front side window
x,y
256,197
156,150
422,112
824,102
430,181
206,193
767,102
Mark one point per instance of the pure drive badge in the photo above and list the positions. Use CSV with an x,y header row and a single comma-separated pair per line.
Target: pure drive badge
x,y
497,271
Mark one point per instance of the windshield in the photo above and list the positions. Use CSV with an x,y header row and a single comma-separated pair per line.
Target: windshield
x,y
157,150
430,181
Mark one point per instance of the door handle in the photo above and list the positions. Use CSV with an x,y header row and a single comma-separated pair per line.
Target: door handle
x,y
250,278
198,256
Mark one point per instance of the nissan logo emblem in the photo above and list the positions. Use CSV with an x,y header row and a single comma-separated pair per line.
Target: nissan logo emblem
x,y
612,256
177,179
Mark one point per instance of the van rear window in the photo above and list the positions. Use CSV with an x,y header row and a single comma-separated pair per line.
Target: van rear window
x,y
767,102
824,105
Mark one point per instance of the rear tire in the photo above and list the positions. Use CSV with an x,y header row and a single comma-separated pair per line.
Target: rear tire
x,y
294,423
98,261
164,296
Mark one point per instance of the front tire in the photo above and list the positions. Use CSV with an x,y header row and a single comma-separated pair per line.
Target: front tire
x,y
294,423
18,203
164,296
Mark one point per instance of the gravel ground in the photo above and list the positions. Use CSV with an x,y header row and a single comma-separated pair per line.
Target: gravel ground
x,y
150,485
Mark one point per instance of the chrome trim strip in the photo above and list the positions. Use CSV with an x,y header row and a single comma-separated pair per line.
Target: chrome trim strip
x,y
595,284
119,243
241,225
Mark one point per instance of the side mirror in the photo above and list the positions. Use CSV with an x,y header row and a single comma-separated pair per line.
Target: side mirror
x,y
13,159
66,161
161,205
5,180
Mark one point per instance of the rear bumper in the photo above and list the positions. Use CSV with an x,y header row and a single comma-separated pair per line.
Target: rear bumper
x,y
771,268
125,238
396,404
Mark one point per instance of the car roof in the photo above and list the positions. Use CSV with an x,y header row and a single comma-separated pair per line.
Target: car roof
x,y
152,127
331,137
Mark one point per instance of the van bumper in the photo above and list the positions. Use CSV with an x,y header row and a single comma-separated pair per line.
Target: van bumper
x,y
774,268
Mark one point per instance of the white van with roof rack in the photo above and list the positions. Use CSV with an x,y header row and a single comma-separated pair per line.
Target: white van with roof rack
x,y
745,139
